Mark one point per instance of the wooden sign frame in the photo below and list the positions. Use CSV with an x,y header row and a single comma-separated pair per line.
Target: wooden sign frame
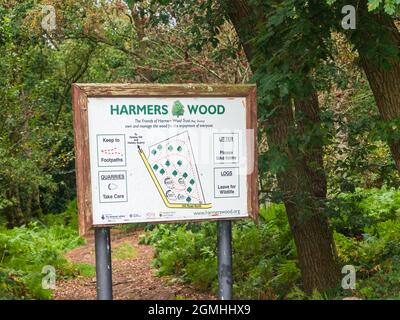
x,y
80,95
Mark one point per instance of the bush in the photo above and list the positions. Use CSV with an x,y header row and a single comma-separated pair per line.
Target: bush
x,y
24,251
366,231
264,263
351,213
185,250
376,258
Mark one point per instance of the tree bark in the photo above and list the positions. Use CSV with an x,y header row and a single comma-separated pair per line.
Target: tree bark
x,y
303,182
307,119
385,85
36,206
244,19
303,185
384,80
13,213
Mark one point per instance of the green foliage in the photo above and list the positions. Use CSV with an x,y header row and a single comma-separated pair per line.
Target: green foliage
x,y
352,213
35,142
24,251
184,250
376,254
161,41
376,258
372,37
370,221
263,255
367,235
356,151
104,42
85,269
283,44
391,7
68,218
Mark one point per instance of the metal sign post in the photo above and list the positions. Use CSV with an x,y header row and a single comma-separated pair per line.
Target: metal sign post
x,y
103,263
224,235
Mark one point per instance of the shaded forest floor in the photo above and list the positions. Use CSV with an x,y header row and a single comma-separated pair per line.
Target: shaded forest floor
x,y
133,276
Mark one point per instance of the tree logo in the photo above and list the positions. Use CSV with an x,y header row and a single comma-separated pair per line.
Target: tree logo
x,y
178,109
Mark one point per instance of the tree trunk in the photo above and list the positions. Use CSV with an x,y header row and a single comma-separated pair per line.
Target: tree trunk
x,y
384,80
303,185
307,112
307,118
303,181
244,19
385,84
36,206
13,213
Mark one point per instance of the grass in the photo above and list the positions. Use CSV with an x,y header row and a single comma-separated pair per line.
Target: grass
x,y
177,297
85,269
124,251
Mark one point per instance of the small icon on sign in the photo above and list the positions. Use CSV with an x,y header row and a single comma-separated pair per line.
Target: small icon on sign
x,y
102,217
112,186
178,109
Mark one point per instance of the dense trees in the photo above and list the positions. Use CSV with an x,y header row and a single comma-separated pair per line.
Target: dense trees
x,y
94,44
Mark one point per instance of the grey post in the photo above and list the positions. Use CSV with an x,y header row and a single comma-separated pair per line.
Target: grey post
x,y
224,234
103,263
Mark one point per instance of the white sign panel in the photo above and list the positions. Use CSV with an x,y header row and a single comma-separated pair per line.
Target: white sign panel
x,y
158,159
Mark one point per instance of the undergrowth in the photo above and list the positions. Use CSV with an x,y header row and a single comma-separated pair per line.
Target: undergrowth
x,y
26,250
366,228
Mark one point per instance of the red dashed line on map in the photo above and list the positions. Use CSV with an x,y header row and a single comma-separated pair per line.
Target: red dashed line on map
x,y
111,152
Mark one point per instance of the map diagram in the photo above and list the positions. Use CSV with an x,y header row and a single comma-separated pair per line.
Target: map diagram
x,y
173,169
